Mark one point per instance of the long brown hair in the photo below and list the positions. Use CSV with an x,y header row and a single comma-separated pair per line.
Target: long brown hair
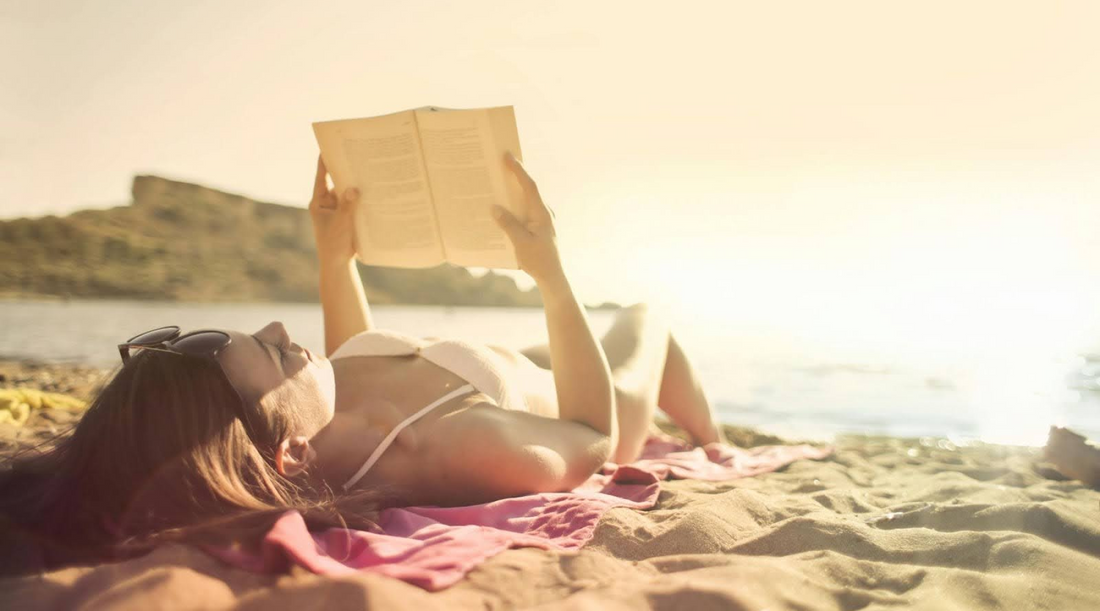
x,y
161,456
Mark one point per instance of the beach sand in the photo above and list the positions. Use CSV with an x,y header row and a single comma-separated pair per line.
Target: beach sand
x,y
885,523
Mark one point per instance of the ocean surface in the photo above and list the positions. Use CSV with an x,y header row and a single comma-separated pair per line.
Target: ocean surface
x,y
766,379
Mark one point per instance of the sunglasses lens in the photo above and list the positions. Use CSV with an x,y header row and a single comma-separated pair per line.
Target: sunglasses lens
x,y
201,342
155,336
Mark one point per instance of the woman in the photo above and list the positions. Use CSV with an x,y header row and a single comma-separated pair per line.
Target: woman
x,y
210,436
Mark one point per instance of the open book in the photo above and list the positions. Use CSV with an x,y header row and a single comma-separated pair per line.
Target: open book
x,y
427,178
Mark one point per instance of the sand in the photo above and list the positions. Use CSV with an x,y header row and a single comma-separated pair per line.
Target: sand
x,y
885,523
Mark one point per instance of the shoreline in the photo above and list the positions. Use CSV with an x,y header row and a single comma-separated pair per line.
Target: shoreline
x,y
757,382
81,381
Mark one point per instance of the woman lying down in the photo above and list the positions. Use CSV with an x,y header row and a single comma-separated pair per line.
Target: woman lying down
x,y
210,435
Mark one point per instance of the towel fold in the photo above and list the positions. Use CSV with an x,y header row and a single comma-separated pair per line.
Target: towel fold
x,y
434,547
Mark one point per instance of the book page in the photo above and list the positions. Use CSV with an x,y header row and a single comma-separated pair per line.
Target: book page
x,y
466,169
395,224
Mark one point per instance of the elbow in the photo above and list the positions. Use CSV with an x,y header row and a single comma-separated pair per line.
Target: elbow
x,y
603,449
596,454
575,470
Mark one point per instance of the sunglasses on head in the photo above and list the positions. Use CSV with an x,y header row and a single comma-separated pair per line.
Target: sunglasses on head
x,y
205,344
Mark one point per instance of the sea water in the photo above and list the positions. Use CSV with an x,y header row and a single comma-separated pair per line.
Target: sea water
x,y
764,378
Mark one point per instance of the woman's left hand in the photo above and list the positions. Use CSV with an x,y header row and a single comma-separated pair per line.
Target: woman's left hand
x,y
333,219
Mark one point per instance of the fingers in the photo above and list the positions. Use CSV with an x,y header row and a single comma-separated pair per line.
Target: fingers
x,y
320,185
508,222
351,198
329,201
325,198
520,172
538,208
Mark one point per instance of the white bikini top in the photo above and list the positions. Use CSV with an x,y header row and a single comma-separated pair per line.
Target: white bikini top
x,y
481,367
485,369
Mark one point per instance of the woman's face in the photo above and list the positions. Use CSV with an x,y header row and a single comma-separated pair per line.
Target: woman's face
x,y
267,368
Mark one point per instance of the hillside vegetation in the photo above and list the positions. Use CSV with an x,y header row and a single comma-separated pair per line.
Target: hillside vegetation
x,y
184,242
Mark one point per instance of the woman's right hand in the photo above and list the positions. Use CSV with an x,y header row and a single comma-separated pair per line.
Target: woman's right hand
x,y
333,216
535,241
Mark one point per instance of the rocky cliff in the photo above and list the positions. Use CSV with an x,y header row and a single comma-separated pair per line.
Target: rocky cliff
x,y
181,241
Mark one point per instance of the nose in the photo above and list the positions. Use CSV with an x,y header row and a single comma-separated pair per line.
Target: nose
x,y
274,329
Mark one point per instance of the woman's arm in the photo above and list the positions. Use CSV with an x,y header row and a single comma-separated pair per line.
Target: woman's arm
x,y
343,300
582,377
343,304
494,453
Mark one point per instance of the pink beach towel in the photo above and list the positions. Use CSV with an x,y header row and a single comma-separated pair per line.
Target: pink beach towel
x,y
434,547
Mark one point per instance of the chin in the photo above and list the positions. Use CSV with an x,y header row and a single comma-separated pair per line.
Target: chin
x,y
326,379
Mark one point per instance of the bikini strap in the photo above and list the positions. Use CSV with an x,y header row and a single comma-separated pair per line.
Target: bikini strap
x,y
373,458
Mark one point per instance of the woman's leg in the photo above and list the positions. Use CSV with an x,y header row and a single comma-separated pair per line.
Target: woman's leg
x,y
648,368
636,346
683,399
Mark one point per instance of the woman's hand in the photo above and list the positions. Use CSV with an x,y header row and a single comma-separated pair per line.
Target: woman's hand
x,y
343,300
333,226
534,241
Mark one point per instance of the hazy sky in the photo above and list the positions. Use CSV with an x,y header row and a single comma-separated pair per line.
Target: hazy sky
x,y
861,167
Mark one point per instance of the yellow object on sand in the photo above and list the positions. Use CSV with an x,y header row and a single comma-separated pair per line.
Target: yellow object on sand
x,y
16,403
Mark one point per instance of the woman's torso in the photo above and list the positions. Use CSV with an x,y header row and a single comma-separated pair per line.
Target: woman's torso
x,y
375,393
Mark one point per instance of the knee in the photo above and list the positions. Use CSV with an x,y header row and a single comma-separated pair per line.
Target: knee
x,y
648,315
640,308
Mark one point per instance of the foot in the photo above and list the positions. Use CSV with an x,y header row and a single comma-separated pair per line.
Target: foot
x,y
1073,457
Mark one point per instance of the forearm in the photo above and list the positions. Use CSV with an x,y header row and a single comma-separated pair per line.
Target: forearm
x,y
582,377
343,303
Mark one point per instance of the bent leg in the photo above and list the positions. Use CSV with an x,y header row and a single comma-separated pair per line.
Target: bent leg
x,y
649,369
683,399
635,346
539,355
